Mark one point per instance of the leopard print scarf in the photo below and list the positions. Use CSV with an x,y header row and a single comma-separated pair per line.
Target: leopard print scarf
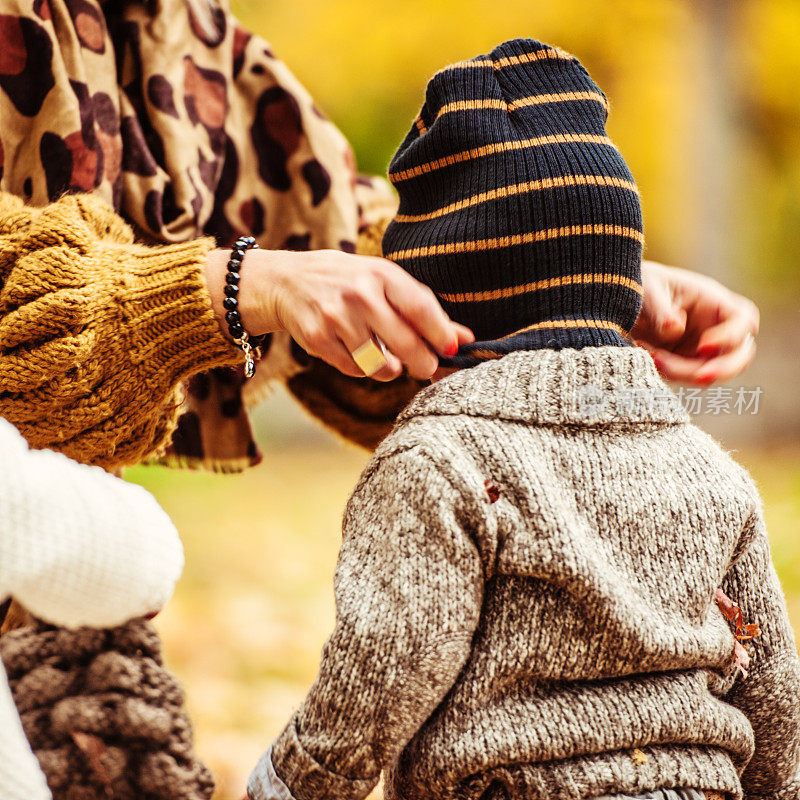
x,y
186,129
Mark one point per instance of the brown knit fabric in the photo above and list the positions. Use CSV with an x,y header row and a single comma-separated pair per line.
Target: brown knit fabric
x,y
526,600
97,332
103,716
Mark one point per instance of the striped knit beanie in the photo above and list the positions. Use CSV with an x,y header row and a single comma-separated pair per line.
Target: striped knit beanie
x,y
515,206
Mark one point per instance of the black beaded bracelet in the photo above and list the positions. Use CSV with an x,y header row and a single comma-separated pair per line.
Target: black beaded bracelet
x,y
249,345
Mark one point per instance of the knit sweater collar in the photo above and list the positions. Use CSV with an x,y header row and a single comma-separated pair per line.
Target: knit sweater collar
x,y
612,387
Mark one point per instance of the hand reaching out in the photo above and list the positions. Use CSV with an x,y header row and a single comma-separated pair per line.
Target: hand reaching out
x,y
696,329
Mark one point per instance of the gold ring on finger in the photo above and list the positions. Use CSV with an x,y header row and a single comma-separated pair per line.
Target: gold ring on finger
x,y
370,356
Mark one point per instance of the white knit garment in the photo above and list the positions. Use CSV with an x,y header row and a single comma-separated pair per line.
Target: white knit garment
x,y
77,547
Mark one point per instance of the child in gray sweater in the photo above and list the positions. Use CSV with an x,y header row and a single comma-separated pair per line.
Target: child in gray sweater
x,y
541,563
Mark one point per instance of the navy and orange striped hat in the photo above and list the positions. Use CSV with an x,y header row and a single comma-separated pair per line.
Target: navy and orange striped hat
x,y
515,206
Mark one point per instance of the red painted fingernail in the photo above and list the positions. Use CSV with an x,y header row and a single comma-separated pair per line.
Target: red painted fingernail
x,y
706,379
451,350
709,350
658,362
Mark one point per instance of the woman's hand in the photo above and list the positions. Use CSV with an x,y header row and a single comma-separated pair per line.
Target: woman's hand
x,y
696,330
331,303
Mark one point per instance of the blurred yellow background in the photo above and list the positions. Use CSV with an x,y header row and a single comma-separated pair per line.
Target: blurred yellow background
x,y
704,106
704,101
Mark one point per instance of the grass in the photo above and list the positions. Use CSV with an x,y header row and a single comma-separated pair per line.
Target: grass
x,y
246,626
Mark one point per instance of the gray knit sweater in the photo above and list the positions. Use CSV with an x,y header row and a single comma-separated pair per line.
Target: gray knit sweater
x,y
525,602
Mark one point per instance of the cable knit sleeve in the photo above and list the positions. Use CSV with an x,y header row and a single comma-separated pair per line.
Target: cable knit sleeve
x,y
20,774
409,588
769,695
80,546
96,331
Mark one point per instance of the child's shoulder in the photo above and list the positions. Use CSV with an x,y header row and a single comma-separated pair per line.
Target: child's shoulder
x,y
427,442
424,458
712,458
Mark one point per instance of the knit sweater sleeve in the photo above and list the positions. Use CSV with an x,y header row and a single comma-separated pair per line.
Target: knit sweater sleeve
x,y
80,546
20,775
96,331
770,693
77,547
409,586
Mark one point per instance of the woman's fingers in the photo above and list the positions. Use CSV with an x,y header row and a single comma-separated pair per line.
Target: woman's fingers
x,y
403,341
354,333
675,367
712,334
335,353
730,334
465,335
661,318
700,370
319,338
729,364
392,370
332,303
418,306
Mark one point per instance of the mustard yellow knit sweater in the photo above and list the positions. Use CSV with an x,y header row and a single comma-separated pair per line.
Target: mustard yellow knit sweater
x,y
96,331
